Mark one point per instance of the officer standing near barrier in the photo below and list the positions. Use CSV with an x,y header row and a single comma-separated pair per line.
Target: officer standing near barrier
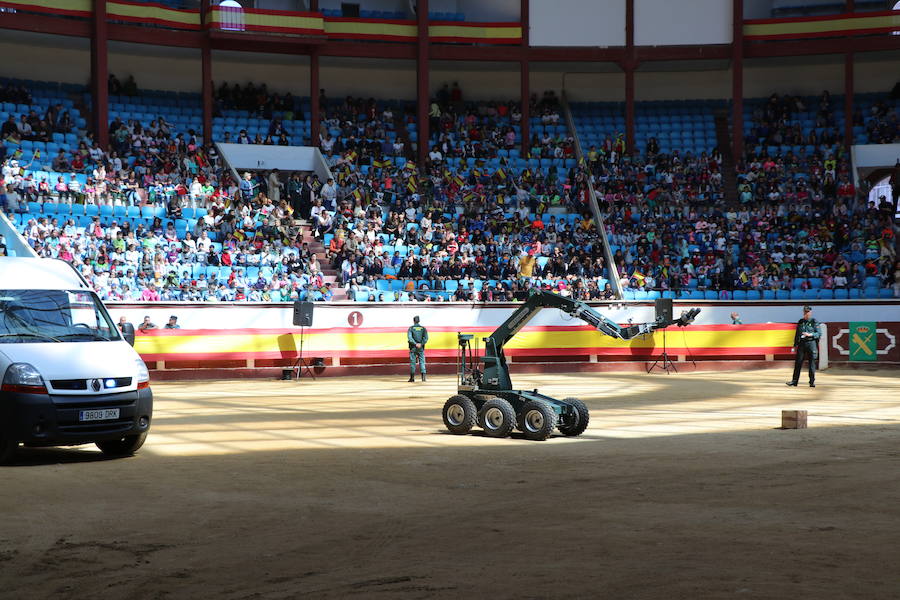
x,y
806,341
417,336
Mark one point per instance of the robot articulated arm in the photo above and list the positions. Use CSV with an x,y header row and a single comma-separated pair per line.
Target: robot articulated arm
x,y
604,325
496,373
542,299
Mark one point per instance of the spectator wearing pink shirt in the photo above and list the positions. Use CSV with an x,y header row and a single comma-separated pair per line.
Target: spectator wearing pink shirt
x,y
150,294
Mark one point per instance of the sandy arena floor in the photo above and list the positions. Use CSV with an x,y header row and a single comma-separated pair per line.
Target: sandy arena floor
x,y
682,487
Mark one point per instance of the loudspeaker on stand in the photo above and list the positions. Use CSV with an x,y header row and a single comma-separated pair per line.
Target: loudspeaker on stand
x,y
664,309
303,314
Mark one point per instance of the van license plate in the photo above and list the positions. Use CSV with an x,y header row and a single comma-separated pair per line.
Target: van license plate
x,y
105,414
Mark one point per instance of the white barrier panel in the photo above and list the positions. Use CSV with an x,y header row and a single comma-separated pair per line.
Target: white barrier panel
x,y
577,23
273,316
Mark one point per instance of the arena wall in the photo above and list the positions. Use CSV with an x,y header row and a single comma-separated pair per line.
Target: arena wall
x,y
353,334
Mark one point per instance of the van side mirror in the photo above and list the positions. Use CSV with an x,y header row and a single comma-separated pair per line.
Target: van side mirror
x,y
128,333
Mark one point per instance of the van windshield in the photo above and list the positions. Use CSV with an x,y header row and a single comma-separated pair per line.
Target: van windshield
x,y
53,316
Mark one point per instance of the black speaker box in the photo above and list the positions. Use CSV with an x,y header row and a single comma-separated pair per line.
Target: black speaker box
x,y
664,309
303,313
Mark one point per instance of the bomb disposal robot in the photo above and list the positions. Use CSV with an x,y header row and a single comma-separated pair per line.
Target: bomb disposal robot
x,y
487,396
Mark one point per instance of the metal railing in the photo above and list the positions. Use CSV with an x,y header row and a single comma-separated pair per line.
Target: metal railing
x,y
595,206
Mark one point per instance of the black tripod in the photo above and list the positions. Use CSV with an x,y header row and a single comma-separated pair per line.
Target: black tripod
x,y
663,363
302,365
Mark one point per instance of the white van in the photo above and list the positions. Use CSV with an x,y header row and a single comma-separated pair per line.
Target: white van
x,y
68,375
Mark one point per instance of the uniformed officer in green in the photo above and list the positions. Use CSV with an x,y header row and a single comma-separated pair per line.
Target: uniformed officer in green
x,y
417,336
806,341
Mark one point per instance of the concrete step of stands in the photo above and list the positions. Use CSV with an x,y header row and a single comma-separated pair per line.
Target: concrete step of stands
x,y
729,173
330,275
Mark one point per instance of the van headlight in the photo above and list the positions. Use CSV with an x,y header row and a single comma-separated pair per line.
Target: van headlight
x,y
24,379
143,375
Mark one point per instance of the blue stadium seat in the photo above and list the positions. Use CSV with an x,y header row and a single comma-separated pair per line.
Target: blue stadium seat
x,y
739,295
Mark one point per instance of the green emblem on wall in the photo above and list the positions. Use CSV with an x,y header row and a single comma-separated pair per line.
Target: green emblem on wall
x,y
863,341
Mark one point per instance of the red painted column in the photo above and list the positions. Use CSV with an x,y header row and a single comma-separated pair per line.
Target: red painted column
x,y
423,91
315,117
525,76
629,64
100,75
848,99
206,85
207,92
850,6
525,95
737,80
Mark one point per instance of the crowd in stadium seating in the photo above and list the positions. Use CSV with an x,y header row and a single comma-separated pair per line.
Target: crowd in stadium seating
x,y
473,224
158,218
778,122
881,124
800,228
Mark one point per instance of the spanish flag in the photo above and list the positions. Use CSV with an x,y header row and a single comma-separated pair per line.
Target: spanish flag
x,y
410,166
501,174
459,181
37,153
381,164
412,185
470,197
351,156
357,194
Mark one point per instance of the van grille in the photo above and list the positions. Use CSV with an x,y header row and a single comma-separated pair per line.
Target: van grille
x,y
82,384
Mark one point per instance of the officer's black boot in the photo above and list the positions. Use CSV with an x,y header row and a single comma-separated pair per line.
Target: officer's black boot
x,y
412,377
423,376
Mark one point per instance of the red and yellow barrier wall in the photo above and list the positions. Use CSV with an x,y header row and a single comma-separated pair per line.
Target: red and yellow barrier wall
x,y
278,22
826,26
381,343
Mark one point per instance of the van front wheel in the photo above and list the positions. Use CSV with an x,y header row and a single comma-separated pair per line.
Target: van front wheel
x,y
7,449
125,446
